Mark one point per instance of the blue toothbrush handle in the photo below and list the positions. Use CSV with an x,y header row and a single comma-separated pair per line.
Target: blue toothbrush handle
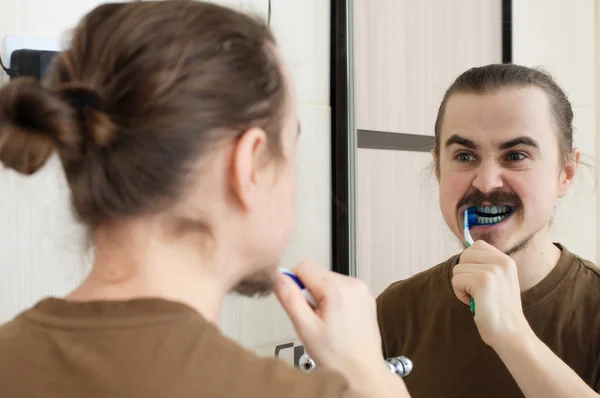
x,y
307,295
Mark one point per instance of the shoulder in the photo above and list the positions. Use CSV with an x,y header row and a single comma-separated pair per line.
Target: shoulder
x,y
13,331
581,285
582,270
15,339
181,348
589,268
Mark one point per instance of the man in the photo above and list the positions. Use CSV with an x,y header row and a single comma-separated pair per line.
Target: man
x,y
504,145
176,126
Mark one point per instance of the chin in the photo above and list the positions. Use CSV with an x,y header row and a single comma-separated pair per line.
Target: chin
x,y
507,247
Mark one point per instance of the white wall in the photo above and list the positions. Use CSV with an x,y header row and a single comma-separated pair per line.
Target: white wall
x,y
42,250
561,36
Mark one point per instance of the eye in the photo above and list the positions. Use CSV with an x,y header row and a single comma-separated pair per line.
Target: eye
x,y
464,157
515,157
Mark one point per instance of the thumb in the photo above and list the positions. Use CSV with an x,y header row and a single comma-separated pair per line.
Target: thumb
x,y
305,320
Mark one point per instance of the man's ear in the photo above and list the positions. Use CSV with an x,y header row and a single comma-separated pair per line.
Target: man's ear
x,y
247,161
568,173
436,164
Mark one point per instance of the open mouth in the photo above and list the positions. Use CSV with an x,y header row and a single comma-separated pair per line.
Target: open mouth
x,y
490,215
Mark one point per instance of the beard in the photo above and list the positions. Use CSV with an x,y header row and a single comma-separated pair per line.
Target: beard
x,y
514,249
260,283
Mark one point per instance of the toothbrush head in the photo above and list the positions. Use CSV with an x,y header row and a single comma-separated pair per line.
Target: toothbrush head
x,y
470,217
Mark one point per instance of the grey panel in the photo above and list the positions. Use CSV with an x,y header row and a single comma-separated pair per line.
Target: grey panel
x,y
395,141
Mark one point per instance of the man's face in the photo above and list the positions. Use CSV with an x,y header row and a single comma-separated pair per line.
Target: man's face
x,y
273,218
499,152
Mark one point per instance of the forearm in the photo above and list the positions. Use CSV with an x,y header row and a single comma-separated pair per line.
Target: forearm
x,y
539,372
379,384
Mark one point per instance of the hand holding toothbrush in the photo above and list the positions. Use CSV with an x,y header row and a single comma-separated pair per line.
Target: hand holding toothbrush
x,y
341,331
489,276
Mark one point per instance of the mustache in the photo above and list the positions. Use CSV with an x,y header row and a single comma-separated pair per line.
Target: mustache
x,y
477,198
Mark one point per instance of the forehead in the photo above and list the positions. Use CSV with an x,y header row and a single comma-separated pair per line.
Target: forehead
x,y
499,116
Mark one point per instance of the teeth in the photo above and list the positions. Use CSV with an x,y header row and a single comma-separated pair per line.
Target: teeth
x,y
493,209
490,220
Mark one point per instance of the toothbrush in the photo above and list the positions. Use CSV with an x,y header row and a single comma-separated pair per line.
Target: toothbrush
x,y
470,218
309,297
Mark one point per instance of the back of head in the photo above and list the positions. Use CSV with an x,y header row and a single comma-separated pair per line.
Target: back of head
x,y
145,92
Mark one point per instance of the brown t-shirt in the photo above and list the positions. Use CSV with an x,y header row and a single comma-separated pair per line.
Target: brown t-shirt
x,y
422,319
140,348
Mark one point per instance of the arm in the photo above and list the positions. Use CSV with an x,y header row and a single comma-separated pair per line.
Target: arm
x,y
490,277
376,382
539,372
382,384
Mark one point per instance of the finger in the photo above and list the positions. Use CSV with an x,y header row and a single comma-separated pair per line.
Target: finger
x,y
305,320
480,251
483,257
472,268
459,286
318,280
483,245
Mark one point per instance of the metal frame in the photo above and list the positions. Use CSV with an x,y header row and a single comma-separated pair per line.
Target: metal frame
x,y
506,31
343,139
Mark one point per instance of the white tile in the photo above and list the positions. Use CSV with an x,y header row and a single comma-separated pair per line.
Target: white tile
x,y
407,53
259,322
400,229
43,248
302,29
313,231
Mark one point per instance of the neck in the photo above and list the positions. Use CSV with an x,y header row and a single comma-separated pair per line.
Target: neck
x,y
137,261
536,260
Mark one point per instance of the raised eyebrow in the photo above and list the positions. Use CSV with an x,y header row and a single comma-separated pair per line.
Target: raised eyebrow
x,y
520,141
456,139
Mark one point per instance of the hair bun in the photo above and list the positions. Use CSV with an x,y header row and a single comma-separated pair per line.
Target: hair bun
x,y
96,125
32,120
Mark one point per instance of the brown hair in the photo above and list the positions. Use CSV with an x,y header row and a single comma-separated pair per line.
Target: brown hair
x,y
495,77
145,89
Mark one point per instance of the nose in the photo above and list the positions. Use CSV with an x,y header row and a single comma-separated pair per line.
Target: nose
x,y
489,176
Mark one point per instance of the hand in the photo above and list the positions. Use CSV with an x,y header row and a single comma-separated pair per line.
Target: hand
x,y
490,277
342,332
